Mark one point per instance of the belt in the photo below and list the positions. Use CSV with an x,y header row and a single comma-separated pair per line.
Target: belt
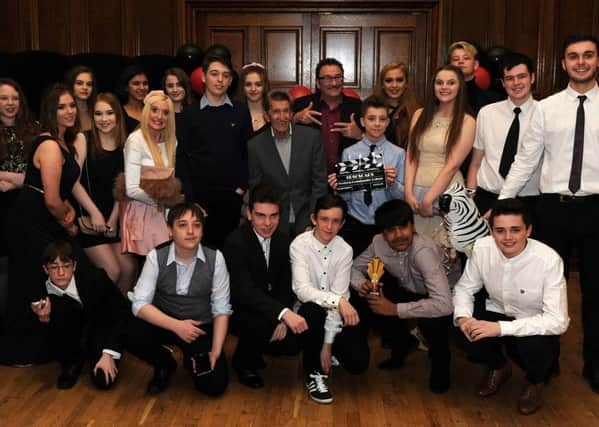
x,y
579,200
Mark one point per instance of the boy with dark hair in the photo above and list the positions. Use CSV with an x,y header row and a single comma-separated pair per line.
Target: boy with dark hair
x,y
257,255
359,227
416,286
321,265
85,315
182,298
526,310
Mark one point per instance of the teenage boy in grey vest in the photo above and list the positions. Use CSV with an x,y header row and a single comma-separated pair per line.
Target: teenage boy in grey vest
x,y
182,298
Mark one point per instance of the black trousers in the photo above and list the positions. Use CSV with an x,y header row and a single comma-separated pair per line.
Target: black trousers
x,y
537,355
357,234
223,209
145,341
434,329
566,225
254,332
350,346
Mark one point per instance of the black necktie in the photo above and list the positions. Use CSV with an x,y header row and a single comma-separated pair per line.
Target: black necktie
x,y
368,193
511,145
575,172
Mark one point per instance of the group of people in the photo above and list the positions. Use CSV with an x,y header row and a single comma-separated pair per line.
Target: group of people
x,y
232,206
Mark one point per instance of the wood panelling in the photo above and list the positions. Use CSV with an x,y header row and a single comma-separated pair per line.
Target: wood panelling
x,y
105,32
344,45
283,55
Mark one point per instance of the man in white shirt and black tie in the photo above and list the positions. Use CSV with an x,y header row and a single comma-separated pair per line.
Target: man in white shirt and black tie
x,y
526,309
564,133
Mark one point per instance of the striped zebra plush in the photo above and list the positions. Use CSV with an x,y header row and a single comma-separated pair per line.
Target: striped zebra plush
x,y
462,219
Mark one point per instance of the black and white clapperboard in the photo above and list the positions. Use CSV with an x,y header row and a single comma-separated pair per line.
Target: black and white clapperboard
x,y
364,173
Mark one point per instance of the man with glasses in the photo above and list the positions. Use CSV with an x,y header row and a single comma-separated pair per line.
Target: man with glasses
x,y
499,130
330,110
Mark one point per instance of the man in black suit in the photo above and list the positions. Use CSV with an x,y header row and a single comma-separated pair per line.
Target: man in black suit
x,y
291,159
84,314
257,256
332,112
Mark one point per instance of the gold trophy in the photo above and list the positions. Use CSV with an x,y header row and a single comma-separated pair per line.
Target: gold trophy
x,y
376,268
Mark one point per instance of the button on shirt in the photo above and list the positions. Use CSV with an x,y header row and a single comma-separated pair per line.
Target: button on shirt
x,y
320,274
418,270
492,125
529,287
550,139
144,290
392,156
71,292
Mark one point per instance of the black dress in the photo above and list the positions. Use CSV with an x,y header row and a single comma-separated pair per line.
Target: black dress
x,y
31,227
130,123
101,169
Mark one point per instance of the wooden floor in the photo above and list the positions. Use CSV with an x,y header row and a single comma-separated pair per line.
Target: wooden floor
x,y
28,396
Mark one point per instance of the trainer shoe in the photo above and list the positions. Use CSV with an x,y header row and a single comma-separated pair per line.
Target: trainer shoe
x,y
316,383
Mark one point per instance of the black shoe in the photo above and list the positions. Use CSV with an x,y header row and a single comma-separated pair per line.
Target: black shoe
x,y
392,363
316,383
162,377
69,375
439,381
592,376
250,378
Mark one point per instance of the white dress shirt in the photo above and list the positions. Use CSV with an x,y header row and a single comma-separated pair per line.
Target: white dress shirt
x,y
72,292
550,136
137,154
529,287
320,274
144,290
492,125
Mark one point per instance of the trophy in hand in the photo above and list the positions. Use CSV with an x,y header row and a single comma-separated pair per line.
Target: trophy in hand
x,y
376,268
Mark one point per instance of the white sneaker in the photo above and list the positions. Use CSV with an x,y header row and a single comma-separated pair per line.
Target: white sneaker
x,y
317,387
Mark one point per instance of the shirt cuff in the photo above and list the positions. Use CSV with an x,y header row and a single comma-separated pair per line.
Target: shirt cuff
x,y
282,313
329,337
506,328
115,354
331,301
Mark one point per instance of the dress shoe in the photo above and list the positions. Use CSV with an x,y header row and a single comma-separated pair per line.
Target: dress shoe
x,y
592,376
250,378
493,380
531,399
439,381
162,377
69,375
392,363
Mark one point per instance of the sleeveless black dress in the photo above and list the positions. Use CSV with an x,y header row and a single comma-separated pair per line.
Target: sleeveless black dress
x,y
31,227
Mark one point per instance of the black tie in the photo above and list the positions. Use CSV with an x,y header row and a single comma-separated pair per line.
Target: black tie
x,y
368,193
575,172
511,145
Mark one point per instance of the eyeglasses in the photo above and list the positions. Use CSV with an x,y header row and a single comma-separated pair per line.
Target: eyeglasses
x,y
328,79
56,267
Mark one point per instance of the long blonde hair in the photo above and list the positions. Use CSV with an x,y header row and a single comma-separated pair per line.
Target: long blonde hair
x,y
169,132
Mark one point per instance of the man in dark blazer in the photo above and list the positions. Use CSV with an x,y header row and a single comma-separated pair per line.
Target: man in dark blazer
x,y
84,314
257,256
334,114
291,159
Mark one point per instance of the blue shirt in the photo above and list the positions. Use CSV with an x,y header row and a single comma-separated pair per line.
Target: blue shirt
x,y
392,156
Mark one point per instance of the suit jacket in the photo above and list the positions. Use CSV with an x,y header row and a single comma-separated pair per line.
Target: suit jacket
x,y
348,107
307,178
105,309
254,286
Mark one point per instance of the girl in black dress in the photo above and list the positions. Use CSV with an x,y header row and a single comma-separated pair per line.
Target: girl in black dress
x,y
177,87
82,82
101,160
254,86
133,88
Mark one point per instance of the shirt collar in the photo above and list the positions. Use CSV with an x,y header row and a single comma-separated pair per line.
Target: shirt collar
x,y
71,289
171,254
592,94
318,246
260,238
205,103
379,144
524,107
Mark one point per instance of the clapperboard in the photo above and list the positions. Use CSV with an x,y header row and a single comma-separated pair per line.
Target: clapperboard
x,y
364,173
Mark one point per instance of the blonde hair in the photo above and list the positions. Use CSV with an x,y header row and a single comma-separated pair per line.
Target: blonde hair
x,y
169,132
464,45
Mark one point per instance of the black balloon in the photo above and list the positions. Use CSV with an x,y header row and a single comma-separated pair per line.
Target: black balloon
x,y
219,50
189,57
495,57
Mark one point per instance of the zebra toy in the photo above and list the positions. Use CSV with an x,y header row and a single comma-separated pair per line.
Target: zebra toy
x,y
462,219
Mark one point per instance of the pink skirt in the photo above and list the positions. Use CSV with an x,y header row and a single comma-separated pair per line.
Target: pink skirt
x,y
143,227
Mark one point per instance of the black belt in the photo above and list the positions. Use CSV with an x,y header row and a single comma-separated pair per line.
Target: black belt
x,y
566,199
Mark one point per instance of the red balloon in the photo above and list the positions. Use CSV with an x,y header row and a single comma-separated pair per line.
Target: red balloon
x,y
197,84
351,93
482,78
299,91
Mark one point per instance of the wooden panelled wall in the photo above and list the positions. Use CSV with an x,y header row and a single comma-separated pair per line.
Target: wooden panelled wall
x,y
298,32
